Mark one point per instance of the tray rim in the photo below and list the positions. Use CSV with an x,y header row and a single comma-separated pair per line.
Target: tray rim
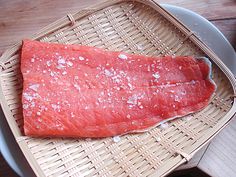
x,y
66,20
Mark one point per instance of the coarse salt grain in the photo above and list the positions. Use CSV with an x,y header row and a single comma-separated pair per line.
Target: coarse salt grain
x,y
27,97
51,74
133,100
122,56
130,86
25,106
64,73
72,114
69,63
77,86
164,125
49,63
177,99
139,46
107,72
34,87
156,75
81,58
40,120
158,139
116,139
61,61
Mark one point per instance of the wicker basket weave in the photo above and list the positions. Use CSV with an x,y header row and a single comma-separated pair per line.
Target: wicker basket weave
x,y
140,27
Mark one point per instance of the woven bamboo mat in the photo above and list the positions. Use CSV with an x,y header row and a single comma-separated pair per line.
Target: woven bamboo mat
x,y
140,27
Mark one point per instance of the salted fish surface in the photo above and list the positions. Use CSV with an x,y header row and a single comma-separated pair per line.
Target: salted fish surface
x,y
82,91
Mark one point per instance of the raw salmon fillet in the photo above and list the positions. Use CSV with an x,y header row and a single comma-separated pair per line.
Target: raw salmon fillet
x,y
81,91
